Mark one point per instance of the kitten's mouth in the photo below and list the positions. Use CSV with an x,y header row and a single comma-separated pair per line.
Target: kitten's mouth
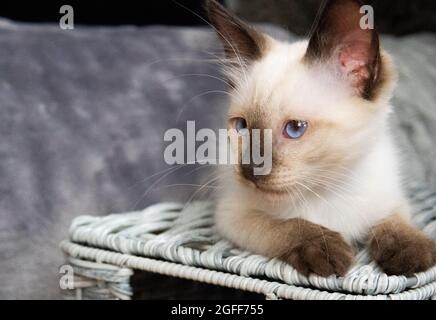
x,y
272,191
264,188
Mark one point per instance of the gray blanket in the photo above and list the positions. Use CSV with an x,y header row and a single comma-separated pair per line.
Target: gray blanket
x,y
82,118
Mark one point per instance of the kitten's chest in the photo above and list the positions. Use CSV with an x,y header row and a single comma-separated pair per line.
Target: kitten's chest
x,y
352,216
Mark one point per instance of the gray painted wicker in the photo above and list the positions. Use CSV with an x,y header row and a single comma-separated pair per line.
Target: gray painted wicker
x,y
180,241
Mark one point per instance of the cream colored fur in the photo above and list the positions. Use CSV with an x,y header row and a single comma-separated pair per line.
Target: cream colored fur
x,y
342,174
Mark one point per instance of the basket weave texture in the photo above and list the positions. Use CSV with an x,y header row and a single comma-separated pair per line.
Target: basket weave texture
x,y
180,240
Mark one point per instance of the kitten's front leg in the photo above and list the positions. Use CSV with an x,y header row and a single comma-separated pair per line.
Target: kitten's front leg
x,y
401,249
308,247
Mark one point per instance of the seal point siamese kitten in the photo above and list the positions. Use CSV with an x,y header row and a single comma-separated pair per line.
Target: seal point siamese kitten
x,y
334,180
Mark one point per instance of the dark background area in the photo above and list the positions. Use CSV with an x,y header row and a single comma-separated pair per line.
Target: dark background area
x,y
398,17
99,12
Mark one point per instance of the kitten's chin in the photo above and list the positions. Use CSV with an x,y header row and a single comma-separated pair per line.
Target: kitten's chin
x,y
264,190
272,192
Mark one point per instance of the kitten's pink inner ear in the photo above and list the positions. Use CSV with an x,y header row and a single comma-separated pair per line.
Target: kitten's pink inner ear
x,y
354,63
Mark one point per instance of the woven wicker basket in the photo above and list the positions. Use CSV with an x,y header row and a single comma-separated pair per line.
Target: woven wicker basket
x,y
180,241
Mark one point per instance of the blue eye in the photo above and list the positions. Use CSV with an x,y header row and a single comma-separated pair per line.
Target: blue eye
x,y
240,123
295,129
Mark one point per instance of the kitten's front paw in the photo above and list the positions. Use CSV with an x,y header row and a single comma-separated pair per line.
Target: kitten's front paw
x,y
320,251
402,252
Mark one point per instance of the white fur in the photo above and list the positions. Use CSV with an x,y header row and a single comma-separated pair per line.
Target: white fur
x,y
373,193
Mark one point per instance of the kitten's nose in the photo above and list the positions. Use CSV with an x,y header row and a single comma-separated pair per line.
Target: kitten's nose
x,y
247,171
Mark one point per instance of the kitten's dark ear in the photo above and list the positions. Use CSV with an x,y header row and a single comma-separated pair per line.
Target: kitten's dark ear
x,y
237,37
338,37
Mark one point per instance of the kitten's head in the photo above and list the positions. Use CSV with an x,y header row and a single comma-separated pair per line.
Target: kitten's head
x,y
325,99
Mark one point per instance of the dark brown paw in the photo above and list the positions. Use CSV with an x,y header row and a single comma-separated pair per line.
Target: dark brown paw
x,y
320,251
403,252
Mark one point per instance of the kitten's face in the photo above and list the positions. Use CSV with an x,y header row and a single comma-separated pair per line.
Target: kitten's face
x,y
324,103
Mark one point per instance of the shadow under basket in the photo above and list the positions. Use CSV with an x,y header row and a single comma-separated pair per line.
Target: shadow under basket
x,y
137,255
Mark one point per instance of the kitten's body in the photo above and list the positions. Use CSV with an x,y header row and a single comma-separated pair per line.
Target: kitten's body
x,y
359,200
339,182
